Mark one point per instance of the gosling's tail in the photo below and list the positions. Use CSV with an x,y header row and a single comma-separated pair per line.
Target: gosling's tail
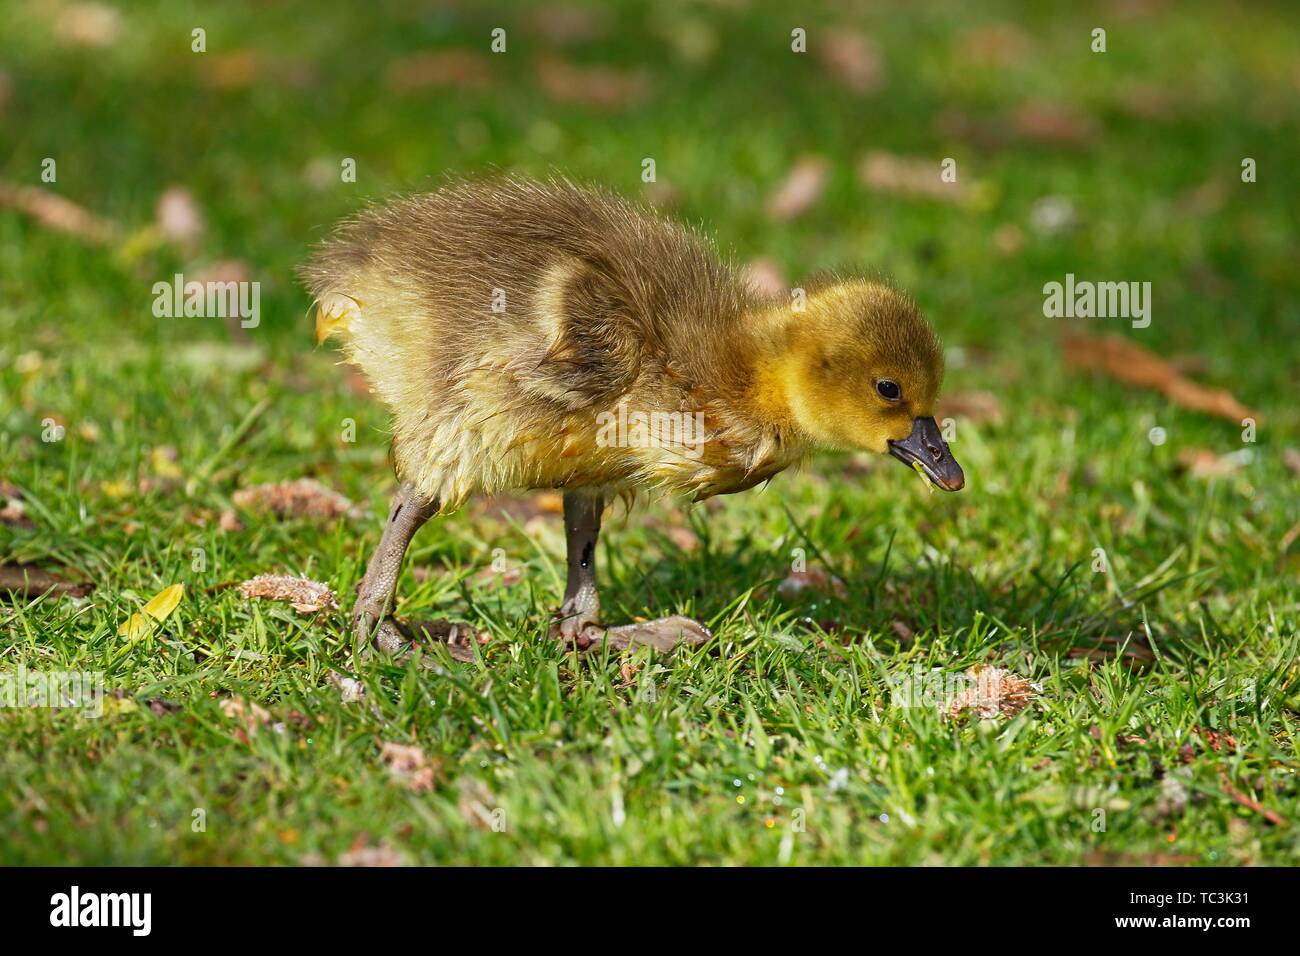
x,y
335,312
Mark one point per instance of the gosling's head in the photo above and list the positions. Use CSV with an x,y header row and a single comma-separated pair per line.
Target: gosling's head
x,y
861,369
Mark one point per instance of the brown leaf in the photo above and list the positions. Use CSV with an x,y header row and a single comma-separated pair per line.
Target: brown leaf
x,y
523,508
684,538
382,855
766,278
1147,101
662,194
477,803
976,407
178,217
1250,803
304,596
457,637
606,87
994,44
569,24
443,69
995,691
94,25
409,765
303,498
814,579
53,211
910,177
1053,124
231,70
12,510
29,581
1291,458
249,716
852,59
505,578
800,189
904,632
1215,740
1118,358
1203,463
1288,539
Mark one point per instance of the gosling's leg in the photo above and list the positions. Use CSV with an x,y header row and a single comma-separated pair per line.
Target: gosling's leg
x,y
372,613
578,620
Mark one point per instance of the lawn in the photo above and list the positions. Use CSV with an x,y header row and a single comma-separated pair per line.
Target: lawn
x,y
1143,581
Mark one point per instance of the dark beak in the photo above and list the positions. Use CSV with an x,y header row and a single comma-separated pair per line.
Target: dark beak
x,y
926,447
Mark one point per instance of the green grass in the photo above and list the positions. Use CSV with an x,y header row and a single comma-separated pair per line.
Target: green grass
x,y
711,756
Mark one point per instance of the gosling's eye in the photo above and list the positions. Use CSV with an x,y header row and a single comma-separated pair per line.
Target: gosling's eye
x,y
888,390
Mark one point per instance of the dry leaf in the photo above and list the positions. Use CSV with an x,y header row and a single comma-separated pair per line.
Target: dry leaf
x,y
601,86
93,25
800,190
1147,101
684,538
814,579
1118,358
975,407
1203,463
766,278
350,689
52,210
995,44
28,581
1250,803
1291,458
525,509
233,70
1053,124
249,716
913,177
569,25
904,632
408,764
373,856
477,803
178,217
159,608
662,194
504,578
852,59
443,69
12,510
994,691
303,498
303,595
456,637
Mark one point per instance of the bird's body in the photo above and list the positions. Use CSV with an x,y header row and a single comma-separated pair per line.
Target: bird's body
x,y
545,335
533,335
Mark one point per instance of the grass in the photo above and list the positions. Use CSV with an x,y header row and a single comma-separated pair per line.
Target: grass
x,y
781,742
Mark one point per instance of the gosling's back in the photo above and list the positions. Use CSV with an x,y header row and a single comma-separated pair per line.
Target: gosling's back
x,y
497,318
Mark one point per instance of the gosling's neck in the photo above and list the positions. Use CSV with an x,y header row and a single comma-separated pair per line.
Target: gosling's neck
x,y
769,397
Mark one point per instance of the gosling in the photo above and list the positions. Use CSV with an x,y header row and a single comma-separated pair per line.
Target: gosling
x,y
533,335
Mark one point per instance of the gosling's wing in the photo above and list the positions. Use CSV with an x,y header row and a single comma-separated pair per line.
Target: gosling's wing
x,y
591,342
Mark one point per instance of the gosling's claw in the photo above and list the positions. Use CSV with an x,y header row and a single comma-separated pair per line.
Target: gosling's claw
x,y
663,634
